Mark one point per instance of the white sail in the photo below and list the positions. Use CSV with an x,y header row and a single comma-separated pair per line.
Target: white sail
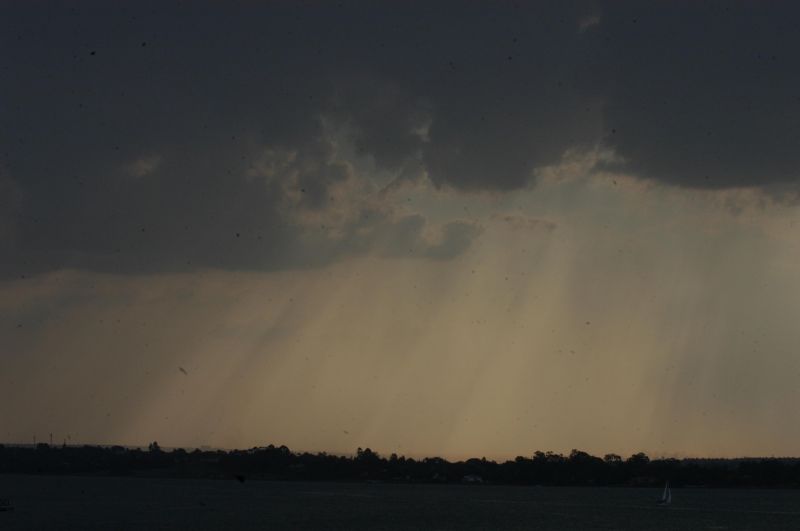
x,y
666,496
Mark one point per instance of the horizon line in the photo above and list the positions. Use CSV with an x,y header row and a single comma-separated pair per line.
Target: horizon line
x,y
209,448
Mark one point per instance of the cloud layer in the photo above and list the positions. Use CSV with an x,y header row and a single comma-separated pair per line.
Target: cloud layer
x,y
163,138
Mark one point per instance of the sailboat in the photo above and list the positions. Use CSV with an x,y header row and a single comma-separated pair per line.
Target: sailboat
x,y
666,497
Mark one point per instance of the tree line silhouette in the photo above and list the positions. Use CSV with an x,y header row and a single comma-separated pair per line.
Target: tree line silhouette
x,y
280,463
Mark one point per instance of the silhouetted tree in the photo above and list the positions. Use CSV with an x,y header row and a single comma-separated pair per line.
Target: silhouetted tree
x,y
545,468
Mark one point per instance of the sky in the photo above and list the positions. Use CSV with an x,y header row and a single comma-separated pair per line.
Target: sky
x,y
431,228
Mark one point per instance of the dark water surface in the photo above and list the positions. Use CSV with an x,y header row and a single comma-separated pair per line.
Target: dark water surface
x,y
44,502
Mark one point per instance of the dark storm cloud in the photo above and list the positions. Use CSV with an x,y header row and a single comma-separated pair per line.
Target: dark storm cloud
x,y
702,94
482,93
129,134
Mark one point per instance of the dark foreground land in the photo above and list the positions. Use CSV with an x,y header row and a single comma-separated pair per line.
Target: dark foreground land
x,y
72,502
